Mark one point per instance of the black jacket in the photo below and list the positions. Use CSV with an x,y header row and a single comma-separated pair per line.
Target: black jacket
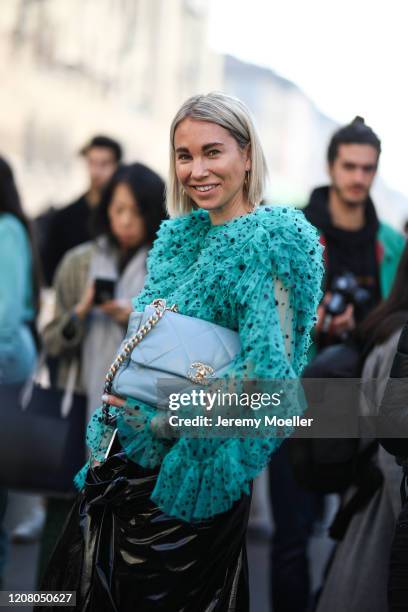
x,y
345,250
68,227
394,406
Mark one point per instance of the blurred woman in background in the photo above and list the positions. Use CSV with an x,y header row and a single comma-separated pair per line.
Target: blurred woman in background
x,y
87,333
127,220
358,576
19,299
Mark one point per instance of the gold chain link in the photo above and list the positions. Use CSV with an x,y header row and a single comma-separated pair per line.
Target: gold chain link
x,y
160,308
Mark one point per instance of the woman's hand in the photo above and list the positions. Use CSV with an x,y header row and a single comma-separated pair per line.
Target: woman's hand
x,y
159,424
339,324
86,303
113,400
119,310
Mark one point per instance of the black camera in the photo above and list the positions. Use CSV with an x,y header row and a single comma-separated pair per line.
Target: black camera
x,y
344,290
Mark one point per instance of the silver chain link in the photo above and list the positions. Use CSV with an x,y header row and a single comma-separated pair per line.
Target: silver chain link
x,y
160,308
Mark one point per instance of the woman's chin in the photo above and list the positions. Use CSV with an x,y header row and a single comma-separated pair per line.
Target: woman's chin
x,y
207,204
128,244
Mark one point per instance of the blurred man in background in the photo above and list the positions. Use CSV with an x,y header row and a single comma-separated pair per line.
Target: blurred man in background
x,y
361,257
361,253
70,226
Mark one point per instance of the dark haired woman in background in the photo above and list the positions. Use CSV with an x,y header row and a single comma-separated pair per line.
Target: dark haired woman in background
x,y
128,218
19,291
358,577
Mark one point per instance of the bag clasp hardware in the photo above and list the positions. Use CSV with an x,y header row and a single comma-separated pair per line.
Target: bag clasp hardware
x,y
200,373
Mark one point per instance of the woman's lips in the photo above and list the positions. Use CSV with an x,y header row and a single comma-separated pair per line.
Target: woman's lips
x,y
204,189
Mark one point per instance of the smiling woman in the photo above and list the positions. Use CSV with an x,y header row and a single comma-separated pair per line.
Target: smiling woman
x,y
216,158
160,523
212,168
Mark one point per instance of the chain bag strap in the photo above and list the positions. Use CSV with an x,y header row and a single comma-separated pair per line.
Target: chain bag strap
x,y
160,308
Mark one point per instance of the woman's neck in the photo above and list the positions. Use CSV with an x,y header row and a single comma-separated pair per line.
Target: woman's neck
x,y
229,211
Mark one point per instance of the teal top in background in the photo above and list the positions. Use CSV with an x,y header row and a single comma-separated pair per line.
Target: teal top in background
x,y
17,349
393,244
225,274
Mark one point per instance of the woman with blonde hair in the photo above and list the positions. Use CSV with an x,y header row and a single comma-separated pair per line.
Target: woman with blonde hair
x,y
160,521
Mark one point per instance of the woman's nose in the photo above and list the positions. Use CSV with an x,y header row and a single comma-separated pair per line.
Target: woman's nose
x,y
127,218
199,168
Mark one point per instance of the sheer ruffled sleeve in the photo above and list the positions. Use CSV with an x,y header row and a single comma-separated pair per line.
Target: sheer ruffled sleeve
x,y
285,314
276,299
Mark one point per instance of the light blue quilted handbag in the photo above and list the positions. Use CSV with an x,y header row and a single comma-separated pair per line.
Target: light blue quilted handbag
x,y
162,344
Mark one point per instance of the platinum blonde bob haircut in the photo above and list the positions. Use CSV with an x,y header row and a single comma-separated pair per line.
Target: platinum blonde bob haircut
x,y
232,115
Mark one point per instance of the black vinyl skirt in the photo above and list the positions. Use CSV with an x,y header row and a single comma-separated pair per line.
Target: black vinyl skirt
x,y
120,553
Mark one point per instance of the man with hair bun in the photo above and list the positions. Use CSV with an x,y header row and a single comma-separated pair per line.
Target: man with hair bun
x,y
355,241
360,250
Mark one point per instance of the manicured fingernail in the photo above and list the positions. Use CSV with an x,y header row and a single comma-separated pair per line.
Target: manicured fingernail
x,y
105,397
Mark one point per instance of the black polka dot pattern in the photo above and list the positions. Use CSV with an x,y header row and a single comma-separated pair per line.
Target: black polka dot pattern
x,y
226,274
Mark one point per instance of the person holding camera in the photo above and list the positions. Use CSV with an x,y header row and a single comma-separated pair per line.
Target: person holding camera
x,y
361,258
361,252
94,284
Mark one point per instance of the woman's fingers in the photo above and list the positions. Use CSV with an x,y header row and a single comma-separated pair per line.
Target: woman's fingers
x,y
112,400
109,308
118,310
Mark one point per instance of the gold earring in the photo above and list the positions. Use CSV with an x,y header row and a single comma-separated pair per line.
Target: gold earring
x,y
246,180
246,188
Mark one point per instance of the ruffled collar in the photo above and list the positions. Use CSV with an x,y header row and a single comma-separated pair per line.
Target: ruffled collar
x,y
200,219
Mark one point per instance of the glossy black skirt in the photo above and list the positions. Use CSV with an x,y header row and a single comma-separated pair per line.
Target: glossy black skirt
x,y
120,553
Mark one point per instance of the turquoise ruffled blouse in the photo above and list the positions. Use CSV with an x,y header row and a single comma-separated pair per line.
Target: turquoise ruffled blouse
x,y
226,274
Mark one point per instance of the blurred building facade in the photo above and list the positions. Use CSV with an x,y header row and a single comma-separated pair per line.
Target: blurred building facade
x,y
295,135
73,68
292,129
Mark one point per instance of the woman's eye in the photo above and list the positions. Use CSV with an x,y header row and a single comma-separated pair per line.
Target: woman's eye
x,y
213,152
183,156
117,209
